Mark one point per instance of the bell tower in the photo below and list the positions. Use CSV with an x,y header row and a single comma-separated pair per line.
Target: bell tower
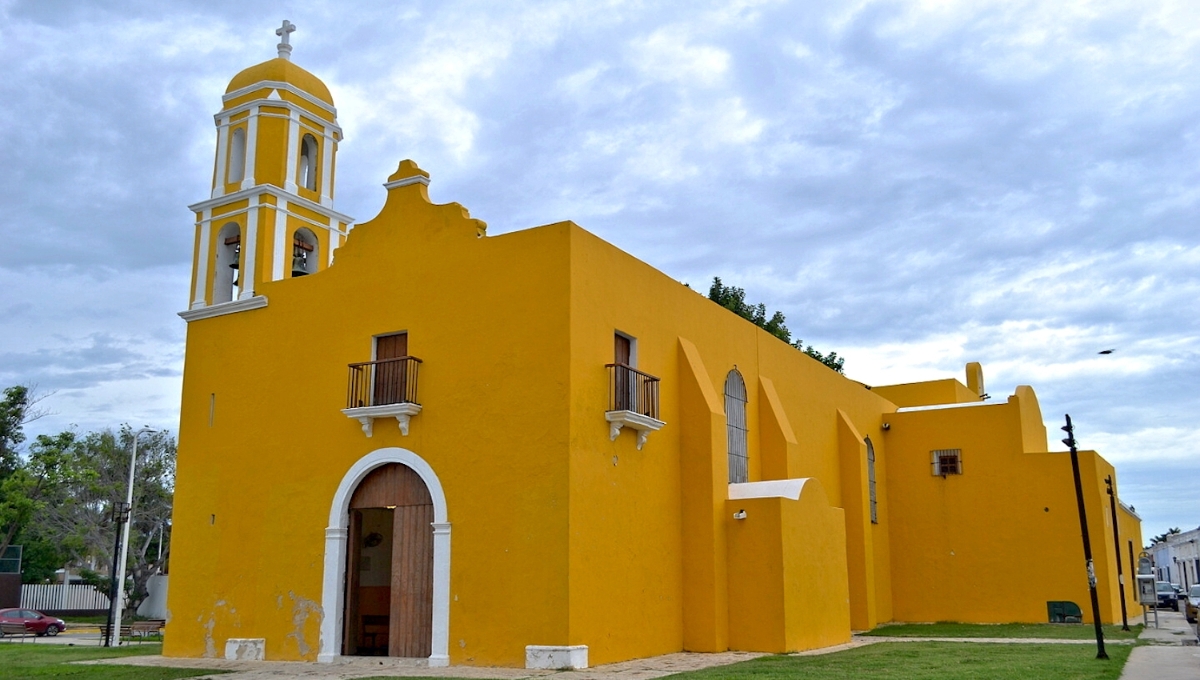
x,y
270,216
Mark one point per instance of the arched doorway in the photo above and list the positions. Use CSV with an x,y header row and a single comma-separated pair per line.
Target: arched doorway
x,y
389,565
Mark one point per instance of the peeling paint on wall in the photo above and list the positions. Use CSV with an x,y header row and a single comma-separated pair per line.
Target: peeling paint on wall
x,y
302,608
210,647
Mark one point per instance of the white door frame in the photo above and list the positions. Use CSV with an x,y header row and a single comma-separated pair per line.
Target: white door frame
x,y
334,581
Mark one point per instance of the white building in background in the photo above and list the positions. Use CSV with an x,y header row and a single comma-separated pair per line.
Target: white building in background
x,y
1178,558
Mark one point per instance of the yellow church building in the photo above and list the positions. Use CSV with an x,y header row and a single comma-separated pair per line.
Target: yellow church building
x,y
414,439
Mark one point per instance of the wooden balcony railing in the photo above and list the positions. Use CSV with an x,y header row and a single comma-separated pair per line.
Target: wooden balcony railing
x,y
387,381
631,390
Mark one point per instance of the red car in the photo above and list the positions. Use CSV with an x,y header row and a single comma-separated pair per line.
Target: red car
x,y
35,622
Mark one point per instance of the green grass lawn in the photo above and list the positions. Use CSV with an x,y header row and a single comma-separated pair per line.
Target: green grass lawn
x,y
19,660
931,661
1057,631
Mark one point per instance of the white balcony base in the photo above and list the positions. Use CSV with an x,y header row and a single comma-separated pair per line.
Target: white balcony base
x,y
635,421
366,415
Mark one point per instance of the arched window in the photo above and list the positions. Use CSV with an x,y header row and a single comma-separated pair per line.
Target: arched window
x,y
305,250
308,162
871,481
237,156
226,278
735,427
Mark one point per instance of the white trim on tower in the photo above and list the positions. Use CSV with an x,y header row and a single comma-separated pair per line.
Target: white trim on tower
x,y
249,251
293,140
251,147
219,176
201,262
327,169
281,249
333,602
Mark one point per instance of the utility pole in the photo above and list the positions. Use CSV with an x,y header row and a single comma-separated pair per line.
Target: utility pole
x,y
1112,496
1087,541
120,515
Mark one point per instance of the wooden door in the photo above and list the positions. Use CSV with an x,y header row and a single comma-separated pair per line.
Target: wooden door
x,y
623,387
410,614
390,376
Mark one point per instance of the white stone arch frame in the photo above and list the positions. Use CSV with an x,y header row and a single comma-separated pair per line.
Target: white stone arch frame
x,y
333,601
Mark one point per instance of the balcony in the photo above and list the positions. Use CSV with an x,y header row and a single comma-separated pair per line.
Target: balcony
x,y
383,389
632,402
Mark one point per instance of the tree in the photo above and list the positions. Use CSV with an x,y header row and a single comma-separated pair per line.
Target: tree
x,y
734,299
25,493
1162,538
80,522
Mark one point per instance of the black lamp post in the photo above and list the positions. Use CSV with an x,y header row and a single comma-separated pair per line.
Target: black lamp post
x,y
1087,541
1112,497
120,515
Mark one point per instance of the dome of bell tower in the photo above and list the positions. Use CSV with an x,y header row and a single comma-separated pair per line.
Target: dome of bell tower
x,y
281,70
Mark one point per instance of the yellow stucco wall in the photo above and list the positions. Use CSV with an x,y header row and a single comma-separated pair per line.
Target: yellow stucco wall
x,y
1018,546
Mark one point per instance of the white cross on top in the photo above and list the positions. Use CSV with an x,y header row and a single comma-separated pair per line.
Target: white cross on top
x,y
285,30
285,45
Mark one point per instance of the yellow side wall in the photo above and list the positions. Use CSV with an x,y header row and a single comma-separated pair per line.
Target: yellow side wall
x,y
996,543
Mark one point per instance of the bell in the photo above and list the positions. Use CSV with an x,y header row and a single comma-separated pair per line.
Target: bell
x,y
299,263
237,255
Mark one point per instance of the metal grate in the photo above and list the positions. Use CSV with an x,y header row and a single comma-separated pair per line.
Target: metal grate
x,y
871,481
631,390
947,462
735,427
387,381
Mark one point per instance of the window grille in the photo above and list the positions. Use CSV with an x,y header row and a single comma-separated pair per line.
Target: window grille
x,y
947,462
871,481
735,427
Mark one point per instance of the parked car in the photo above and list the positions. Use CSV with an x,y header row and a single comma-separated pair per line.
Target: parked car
x,y
35,622
1192,604
1167,597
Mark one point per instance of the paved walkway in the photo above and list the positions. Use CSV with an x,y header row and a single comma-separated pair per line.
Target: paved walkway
x,y
362,667
1165,659
1171,654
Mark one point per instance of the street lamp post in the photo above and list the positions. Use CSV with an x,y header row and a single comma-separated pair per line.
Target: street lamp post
x,y
125,531
120,514
1112,496
1087,541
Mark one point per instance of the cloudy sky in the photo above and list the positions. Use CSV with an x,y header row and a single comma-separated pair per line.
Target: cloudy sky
x,y
914,184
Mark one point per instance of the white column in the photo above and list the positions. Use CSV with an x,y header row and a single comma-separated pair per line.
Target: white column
x,y
282,251
222,147
327,170
334,594
203,254
441,595
249,248
251,147
293,140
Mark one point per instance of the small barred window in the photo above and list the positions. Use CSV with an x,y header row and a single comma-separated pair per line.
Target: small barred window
x,y
947,462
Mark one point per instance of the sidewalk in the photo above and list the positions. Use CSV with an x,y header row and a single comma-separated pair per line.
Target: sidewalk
x,y
1171,654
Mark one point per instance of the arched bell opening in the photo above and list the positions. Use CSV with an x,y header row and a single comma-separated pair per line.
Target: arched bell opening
x,y
227,277
389,566
237,156
308,162
305,251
